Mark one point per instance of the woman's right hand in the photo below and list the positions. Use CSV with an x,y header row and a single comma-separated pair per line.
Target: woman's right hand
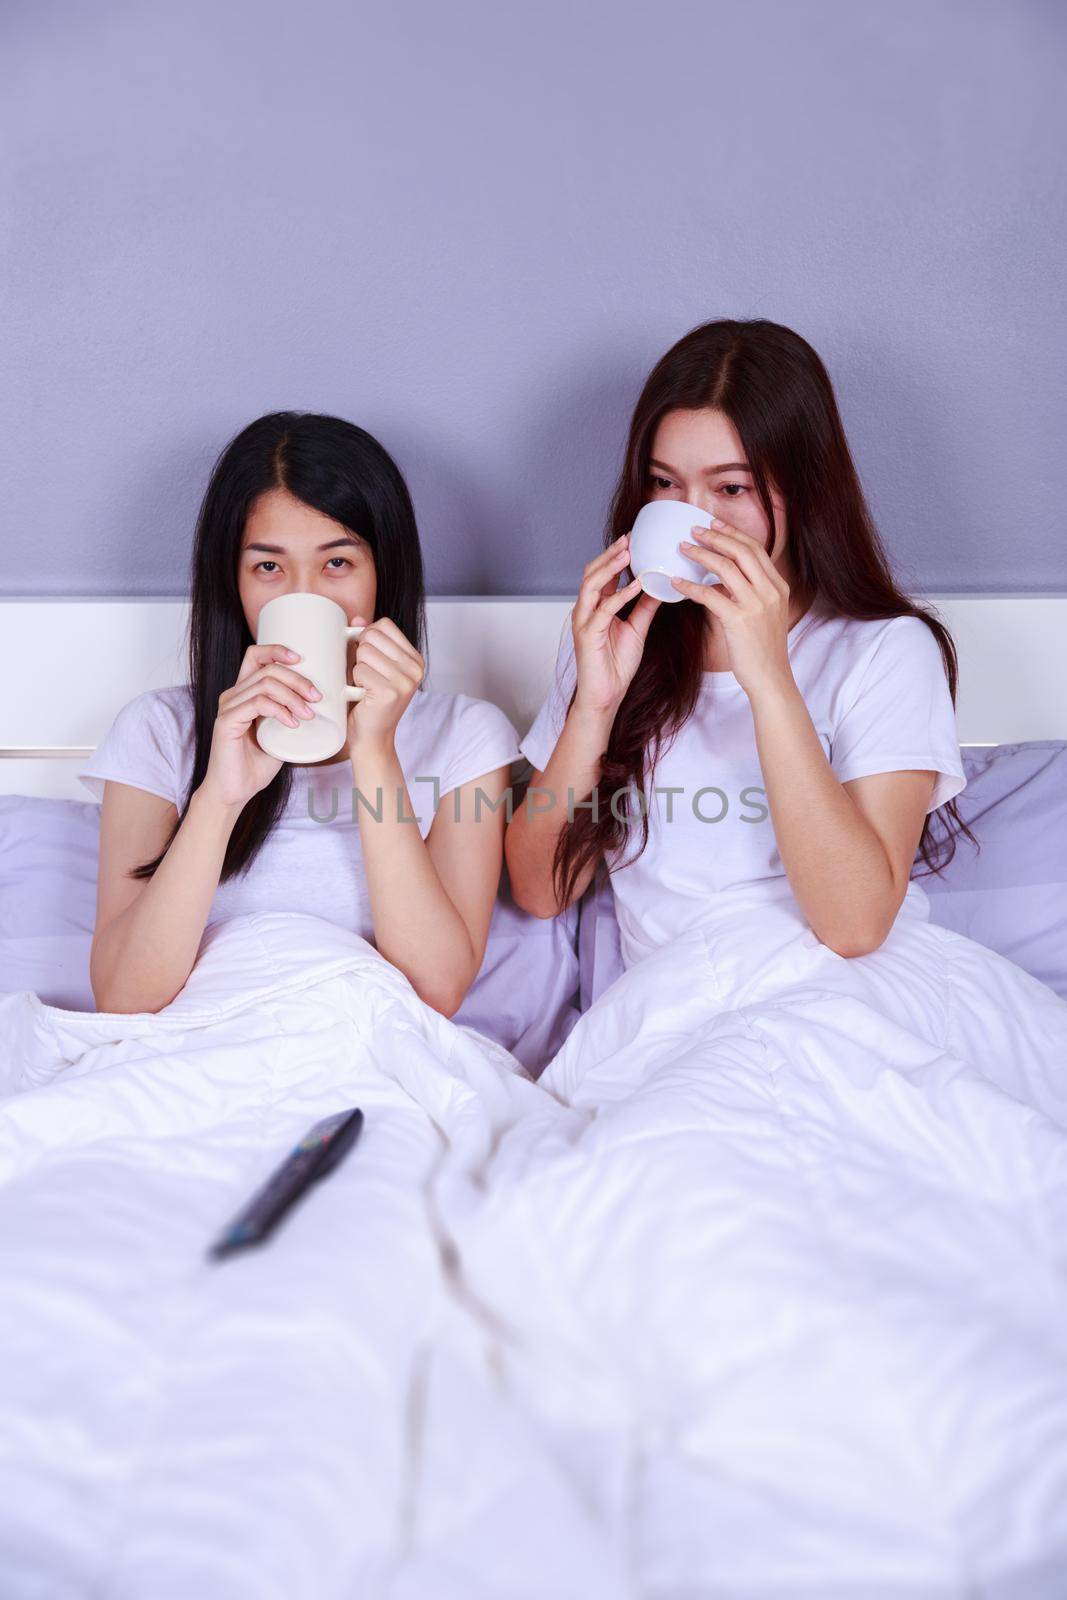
x,y
608,648
266,687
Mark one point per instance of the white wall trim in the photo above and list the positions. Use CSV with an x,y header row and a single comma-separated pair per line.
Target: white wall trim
x,y
70,663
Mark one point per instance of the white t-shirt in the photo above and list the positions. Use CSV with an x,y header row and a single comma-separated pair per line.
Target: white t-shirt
x,y
312,860
879,700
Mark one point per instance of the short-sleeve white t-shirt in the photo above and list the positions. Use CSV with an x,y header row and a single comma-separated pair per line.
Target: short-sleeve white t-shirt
x,y
312,860
879,700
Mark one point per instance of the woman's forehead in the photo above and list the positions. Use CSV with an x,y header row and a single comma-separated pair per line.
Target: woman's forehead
x,y
706,438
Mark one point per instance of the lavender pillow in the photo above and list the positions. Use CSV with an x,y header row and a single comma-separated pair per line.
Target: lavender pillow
x,y
525,994
1010,895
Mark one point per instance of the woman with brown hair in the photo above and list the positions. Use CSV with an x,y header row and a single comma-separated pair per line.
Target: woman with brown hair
x,y
792,725
806,1222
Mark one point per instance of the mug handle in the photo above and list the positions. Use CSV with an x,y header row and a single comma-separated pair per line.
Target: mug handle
x,y
353,691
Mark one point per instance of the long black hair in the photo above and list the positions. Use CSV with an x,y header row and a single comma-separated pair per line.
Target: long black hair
x,y
333,467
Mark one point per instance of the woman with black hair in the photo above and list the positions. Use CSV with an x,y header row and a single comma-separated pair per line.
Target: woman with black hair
x,y
199,824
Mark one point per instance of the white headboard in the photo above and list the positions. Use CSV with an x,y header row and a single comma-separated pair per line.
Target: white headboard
x,y
69,665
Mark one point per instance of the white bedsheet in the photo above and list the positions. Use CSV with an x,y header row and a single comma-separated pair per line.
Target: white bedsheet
x,y
171,1426
796,1292
765,1278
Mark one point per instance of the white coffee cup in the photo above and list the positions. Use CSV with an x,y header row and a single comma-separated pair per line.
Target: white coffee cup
x,y
655,558
317,629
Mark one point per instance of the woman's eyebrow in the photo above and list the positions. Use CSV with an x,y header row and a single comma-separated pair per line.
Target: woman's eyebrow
x,y
727,466
279,549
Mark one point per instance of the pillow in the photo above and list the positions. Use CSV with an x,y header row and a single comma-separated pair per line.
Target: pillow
x,y
47,868
526,992
525,995
599,942
1010,895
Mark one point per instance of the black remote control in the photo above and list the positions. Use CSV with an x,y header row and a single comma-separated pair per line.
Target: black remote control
x,y
318,1152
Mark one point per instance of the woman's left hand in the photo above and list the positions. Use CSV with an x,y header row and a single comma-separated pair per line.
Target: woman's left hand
x,y
751,603
390,669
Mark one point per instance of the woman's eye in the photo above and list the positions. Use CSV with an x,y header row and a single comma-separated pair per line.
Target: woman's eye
x,y
727,486
660,483
261,566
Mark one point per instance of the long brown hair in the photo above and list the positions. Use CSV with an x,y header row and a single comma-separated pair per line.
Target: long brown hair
x,y
775,390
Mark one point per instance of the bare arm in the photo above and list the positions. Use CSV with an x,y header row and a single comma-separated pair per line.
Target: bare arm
x,y
847,848
148,932
431,899
573,770
607,653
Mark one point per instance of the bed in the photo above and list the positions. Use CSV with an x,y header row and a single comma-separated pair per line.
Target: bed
x,y
622,1327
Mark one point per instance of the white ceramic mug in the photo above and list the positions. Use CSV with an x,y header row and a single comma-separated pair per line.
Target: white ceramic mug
x,y
317,629
655,558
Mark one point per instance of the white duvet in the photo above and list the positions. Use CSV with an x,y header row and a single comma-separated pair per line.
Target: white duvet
x,y
760,1291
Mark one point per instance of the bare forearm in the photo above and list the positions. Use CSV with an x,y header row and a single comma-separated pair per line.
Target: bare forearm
x,y
416,925
143,958
836,863
573,771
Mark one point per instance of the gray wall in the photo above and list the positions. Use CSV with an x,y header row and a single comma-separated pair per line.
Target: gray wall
x,y
472,227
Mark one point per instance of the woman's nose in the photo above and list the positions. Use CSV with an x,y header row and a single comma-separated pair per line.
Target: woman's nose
x,y
298,585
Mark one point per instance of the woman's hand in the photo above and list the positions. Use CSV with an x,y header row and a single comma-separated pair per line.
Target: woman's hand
x,y
390,669
607,648
751,603
237,768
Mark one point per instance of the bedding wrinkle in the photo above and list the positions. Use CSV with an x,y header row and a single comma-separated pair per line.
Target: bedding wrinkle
x,y
866,1288
242,1426
761,1283
818,1243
